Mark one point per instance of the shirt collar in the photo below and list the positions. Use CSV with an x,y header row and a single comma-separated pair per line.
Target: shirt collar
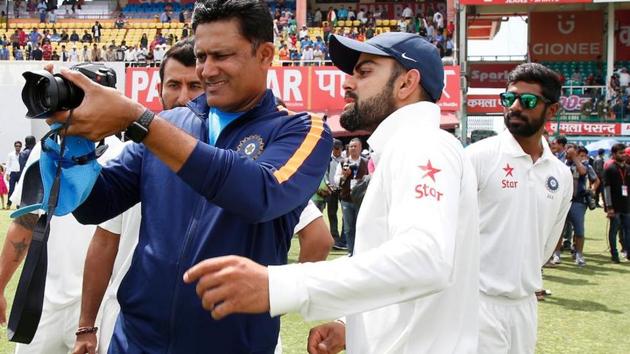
x,y
200,106
511,146
418,116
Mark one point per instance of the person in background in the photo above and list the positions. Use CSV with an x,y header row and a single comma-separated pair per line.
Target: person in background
x,y
12,169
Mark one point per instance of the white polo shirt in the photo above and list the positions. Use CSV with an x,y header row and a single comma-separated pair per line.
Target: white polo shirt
x,y
13,163
412,284
523,206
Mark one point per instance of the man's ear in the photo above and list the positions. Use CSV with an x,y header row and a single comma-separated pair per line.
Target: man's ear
x,y
265,53
408,84
552,110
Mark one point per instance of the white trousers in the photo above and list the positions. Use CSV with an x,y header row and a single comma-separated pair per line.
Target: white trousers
x,y
507,326
56,330
107,320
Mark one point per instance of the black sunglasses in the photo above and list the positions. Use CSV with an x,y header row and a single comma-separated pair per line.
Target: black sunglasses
x,y
527,100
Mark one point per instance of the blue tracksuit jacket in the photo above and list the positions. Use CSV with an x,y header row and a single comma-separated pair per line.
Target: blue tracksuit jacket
x,y
242,197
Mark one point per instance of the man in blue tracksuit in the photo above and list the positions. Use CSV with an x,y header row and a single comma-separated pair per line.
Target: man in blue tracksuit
x,y
229,174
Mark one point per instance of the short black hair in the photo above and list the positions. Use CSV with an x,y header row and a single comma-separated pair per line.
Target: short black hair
x,y
253,15
337,144
562,140
535,73
17,142
601,151
582,149
30,141
183,51
618,147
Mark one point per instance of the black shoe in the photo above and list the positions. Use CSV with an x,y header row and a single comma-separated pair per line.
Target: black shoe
x,y
340,247
615,259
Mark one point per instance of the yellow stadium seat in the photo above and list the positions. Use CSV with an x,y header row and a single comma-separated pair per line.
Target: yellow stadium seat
x,y
356,23
379,23
180,25
13,25
341,23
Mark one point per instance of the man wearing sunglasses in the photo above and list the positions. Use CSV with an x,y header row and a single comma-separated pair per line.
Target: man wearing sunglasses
x,y
524,195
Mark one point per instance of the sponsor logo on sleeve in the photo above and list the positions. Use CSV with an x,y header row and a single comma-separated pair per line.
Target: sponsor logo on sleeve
x,y
426,190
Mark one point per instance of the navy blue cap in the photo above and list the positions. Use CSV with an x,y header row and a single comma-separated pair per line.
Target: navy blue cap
x,y
410,50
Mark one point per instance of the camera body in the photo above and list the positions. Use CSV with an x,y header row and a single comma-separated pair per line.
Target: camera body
x,y
590,200
45,93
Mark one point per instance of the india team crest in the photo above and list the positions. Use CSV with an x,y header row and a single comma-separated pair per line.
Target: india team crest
x,y
552,184
251,146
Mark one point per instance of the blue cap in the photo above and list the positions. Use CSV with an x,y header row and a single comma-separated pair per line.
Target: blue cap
x,y
410,50
79,171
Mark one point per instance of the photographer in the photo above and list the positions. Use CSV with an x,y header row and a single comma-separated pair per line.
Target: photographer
x,y
351,171
583,197
228,174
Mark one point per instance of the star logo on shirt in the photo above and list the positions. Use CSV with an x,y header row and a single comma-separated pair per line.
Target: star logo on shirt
x,y
508,170
430,170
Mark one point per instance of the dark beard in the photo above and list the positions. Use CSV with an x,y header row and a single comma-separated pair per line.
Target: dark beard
x,y
369,114
526,128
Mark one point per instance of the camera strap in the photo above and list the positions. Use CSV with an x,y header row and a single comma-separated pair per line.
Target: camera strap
x,y
29,296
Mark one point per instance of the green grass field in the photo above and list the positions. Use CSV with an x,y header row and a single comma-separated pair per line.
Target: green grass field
x,y
587,313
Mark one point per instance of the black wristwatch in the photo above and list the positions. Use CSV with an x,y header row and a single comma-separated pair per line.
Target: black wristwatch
x,y
139,129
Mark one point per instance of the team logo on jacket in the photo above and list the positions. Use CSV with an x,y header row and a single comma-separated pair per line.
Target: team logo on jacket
x,y
552,184
251,146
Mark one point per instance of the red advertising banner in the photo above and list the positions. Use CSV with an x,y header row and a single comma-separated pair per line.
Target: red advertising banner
x,y
452,92
579,128
521,2
302,88
566,36
141,85
622,35
483,104
489,75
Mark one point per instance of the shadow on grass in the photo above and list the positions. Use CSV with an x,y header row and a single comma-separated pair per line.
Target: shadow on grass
x,y
567,281
580,305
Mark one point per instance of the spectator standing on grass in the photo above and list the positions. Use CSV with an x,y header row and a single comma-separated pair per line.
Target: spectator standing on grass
x,y
350,172
583,176
617,201
598,166
12,169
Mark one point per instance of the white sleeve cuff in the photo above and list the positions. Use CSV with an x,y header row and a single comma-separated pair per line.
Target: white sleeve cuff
x,y
286,292
113,225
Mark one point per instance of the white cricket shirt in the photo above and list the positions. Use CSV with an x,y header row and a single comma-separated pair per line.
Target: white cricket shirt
x,y
412,284
522,207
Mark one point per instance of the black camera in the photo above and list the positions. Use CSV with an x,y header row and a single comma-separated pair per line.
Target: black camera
x,y
45,93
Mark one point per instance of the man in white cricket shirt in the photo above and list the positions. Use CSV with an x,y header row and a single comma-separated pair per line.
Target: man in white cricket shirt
x,y
524,197
411,285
